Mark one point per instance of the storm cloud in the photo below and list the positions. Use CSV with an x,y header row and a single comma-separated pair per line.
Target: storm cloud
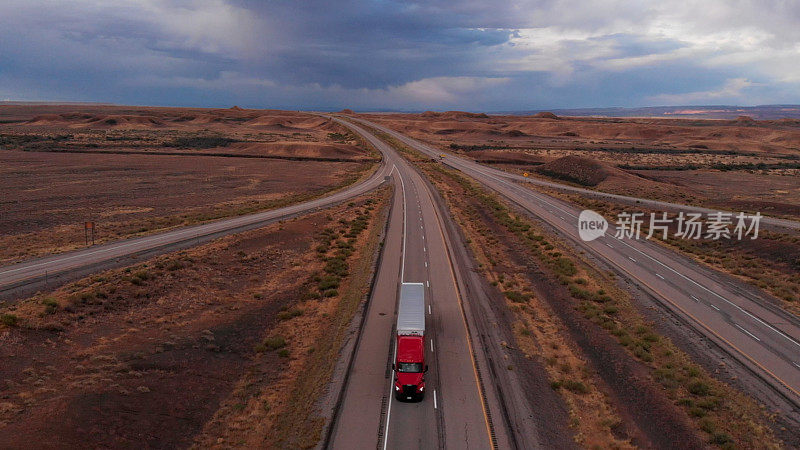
x,y
401,55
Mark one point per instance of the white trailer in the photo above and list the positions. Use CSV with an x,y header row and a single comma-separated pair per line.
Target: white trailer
x,y
411,310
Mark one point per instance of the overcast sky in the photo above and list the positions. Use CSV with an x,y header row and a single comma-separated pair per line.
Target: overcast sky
x,y
448,54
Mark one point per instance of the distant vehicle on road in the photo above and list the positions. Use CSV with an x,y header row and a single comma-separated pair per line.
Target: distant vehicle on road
x,y
409,365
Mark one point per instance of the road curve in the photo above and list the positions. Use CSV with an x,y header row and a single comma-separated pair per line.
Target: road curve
x,y
452,414
760,335
18,278
669,206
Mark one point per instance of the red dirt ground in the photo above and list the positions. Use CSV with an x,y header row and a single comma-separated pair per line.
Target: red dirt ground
x,y
63,165
127,363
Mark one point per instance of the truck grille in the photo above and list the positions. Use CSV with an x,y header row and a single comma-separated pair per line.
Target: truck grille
x,y
409,390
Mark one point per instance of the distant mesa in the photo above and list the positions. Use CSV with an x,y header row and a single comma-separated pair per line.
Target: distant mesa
x,y
453,115
236,108
463,115
516,133
745,119
545,115
346,111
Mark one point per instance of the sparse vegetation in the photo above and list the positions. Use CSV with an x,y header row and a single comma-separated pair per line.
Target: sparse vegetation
x,y
275,342
611,310
290,314
200,142
9,320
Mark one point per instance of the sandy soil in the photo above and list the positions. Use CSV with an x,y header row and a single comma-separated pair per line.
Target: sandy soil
x,y
139,170
171,352
767,137
716,157
616,396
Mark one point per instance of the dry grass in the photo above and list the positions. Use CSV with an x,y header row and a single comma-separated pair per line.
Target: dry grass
x,y
755,263
538,331
727,417
310,334
217,335
63,238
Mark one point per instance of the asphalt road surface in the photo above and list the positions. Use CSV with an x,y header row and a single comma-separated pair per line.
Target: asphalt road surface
x,y
456,411
752,329
666,206
452,414
22,277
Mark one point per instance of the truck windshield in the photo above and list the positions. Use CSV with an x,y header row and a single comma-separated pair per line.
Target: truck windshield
x,y
409,367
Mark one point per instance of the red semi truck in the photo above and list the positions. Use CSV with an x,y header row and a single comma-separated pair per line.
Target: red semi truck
x,y
409,362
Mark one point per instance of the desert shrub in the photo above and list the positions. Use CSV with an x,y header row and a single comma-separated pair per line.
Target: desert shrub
x,y
290,314
328,282
336,266
570,385
86,297
339,137
275,342
650,337
580,293
610,309
9,320
699,388
642,352
564,266
200,142
721,439
697,412
516,297
51,305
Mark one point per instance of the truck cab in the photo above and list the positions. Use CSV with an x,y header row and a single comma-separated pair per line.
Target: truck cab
x,y
410,368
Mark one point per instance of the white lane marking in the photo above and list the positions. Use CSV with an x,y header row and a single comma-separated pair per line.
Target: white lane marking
x,y
779,332
694,298
609,245
631,259
428,284
391,394
429,309
464,165
435,406
426,263
798,365
562,217
714,307
431,345
405,234
749,333
659,276
424,249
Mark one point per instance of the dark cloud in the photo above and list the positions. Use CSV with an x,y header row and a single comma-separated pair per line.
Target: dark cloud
x,y
399,55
